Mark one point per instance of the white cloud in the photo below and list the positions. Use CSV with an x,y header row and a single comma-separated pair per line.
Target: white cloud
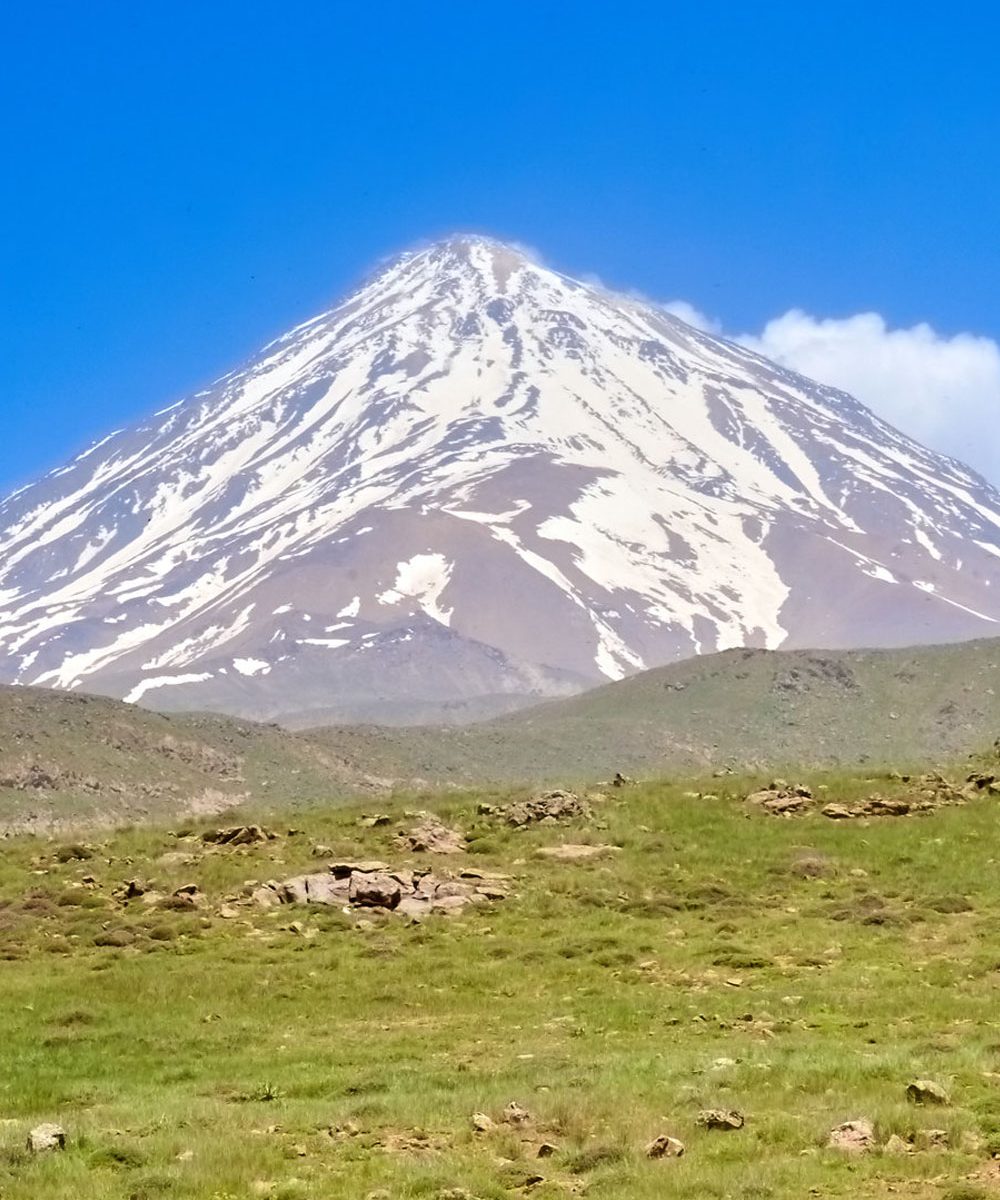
x,y
942,391
691,315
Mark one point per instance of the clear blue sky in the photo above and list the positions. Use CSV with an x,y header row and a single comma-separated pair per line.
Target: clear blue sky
x,y
184,180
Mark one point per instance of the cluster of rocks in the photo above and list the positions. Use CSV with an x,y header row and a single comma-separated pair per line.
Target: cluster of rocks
x,y
238,835
189,895
929,792
431,836
377,885
858,1136
545,809
721,1118
662,1146
516,1119
782,799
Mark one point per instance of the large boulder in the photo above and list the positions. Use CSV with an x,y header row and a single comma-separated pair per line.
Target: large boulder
x,y
374,890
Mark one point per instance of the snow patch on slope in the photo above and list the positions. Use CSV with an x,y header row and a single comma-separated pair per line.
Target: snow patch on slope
x,y
422,578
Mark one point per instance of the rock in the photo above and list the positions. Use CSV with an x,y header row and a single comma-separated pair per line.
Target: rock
x,y
131,889
896,1145
549,807
514,1114
481,1123
46,1137
413,894
414,907
266,896
837,812
374,890
576,853
932,1139
432,836
365,867
375,820
546,1150
238,835
721,1118
319,888
782,799
926,1091
853,1137
665,1147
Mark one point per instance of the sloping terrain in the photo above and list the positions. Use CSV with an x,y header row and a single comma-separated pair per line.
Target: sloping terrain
x,y
477,481
740,708
738,982
67,758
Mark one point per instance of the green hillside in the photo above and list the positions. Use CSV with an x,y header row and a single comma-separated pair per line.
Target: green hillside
x,y
66,757
707,957
741,709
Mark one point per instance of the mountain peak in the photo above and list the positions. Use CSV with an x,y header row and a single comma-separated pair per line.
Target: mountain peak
x,y
478,481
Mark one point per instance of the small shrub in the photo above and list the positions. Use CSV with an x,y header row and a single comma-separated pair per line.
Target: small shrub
x,y
743,960
115,937
123,1157
75,1016
950,904
594,1157
163,933
74,852
263,1093
151,1186
79,898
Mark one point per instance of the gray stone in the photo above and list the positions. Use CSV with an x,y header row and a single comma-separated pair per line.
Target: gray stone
x,y
46,1137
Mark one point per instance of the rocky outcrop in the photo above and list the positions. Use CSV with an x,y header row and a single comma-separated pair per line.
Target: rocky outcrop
x,y
545,809
238,835
924,795
782,799
721,1118
926,1091
431,836
376,885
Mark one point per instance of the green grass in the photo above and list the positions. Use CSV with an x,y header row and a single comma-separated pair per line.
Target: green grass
x,y
744,708
202,1058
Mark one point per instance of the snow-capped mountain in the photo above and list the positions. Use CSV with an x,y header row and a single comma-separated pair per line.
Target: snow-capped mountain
x,y
479,480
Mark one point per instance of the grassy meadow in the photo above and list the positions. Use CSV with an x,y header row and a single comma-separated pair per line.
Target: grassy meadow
x,y
800,970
